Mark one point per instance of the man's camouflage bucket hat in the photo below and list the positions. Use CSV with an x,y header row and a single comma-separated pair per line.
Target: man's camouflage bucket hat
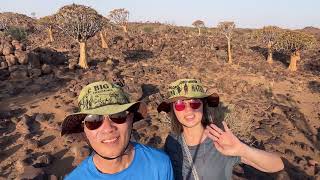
x,y
101,98
187,89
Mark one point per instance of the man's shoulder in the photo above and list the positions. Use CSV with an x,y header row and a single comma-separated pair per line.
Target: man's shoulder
x,y
151,152
80,170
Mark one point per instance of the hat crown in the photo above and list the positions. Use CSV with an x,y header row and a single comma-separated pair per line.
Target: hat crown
x,y
189,88
100,94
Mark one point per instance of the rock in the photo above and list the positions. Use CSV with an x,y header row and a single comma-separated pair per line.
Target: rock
x,y
18,73
7,49
20,165
31,172
80,152
3,65
21,56
289,152
72,65
141,124
262,134
46,69
33,144
34,73
33,61
312,162
154,128
43,160
40,117
11,59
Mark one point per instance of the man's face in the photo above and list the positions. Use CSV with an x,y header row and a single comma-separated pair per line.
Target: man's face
x,y
111,138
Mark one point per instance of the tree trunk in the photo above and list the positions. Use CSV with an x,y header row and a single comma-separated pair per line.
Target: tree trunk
x,y
125,28
229,52
269,59
50,34
294,57
103,41
83,55
199,31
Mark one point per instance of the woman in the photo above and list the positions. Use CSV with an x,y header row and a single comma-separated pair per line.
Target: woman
x,y
197,147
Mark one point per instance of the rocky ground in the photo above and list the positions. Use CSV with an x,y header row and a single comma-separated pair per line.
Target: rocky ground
x,y
265,105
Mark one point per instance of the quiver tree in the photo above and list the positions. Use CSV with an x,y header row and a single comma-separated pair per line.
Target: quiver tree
x,y
47,23
268,35
227,28
105,23
80,22
294,42
120,17
198,24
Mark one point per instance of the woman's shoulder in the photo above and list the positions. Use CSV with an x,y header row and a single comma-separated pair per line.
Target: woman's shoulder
x,y
172,142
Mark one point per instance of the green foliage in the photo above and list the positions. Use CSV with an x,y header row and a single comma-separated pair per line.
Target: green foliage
x,y
17,33
78,21
268,35
148,29
226,28
294,41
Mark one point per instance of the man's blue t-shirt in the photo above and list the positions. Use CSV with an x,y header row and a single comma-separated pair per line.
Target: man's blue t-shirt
x,y
148,163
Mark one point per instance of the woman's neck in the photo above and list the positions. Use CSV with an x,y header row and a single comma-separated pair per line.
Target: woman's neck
x,y
114,165
194,135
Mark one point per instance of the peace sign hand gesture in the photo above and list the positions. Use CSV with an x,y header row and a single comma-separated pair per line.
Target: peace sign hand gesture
x,y
224,141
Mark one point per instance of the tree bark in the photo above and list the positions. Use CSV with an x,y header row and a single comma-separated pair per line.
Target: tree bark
x,y
125,28
229,52
50,34
199,31
294,57
269,59
83,55
103,41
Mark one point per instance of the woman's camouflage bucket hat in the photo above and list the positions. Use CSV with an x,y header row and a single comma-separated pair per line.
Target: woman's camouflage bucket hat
x,y
101,98
187,89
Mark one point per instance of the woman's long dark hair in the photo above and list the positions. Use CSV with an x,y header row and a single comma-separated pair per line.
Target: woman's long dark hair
x,y
176,126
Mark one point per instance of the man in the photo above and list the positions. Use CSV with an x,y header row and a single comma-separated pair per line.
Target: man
x,y
106,117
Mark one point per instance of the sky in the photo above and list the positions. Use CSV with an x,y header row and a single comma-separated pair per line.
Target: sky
x,y
293,14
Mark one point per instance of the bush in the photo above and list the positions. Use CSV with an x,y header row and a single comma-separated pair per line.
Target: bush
x,y
17,33
148,29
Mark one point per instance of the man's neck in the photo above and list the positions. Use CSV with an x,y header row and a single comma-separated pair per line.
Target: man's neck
x,y
115,165
194,135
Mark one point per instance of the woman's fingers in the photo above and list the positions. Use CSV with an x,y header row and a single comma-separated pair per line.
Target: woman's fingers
x,y
216,128
213,132
225,126
214,138
218,146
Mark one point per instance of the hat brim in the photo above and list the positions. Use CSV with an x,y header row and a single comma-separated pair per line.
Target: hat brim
x,y
212,100
72,123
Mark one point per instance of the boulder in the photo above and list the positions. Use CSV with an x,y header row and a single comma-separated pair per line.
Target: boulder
x,y
11,59
21,56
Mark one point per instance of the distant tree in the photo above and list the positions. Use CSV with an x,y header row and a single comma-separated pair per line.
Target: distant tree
x,y
120,17
47,23
105,24
198,24
33,15
227,28
268,35
4,21
294,42
80,22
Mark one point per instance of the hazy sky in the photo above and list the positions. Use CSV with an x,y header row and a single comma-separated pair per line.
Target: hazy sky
x,y
245,13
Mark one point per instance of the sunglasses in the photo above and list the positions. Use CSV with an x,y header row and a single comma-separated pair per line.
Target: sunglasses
x,y
180,105
93,121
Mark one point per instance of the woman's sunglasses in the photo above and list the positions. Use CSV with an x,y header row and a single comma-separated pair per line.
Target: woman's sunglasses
x,y
93,122
180,105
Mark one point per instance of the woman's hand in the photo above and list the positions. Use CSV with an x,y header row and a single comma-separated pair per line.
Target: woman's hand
x,y
229,145
224,141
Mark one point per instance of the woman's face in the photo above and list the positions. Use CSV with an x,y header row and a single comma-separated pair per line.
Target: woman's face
x,y
188,112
